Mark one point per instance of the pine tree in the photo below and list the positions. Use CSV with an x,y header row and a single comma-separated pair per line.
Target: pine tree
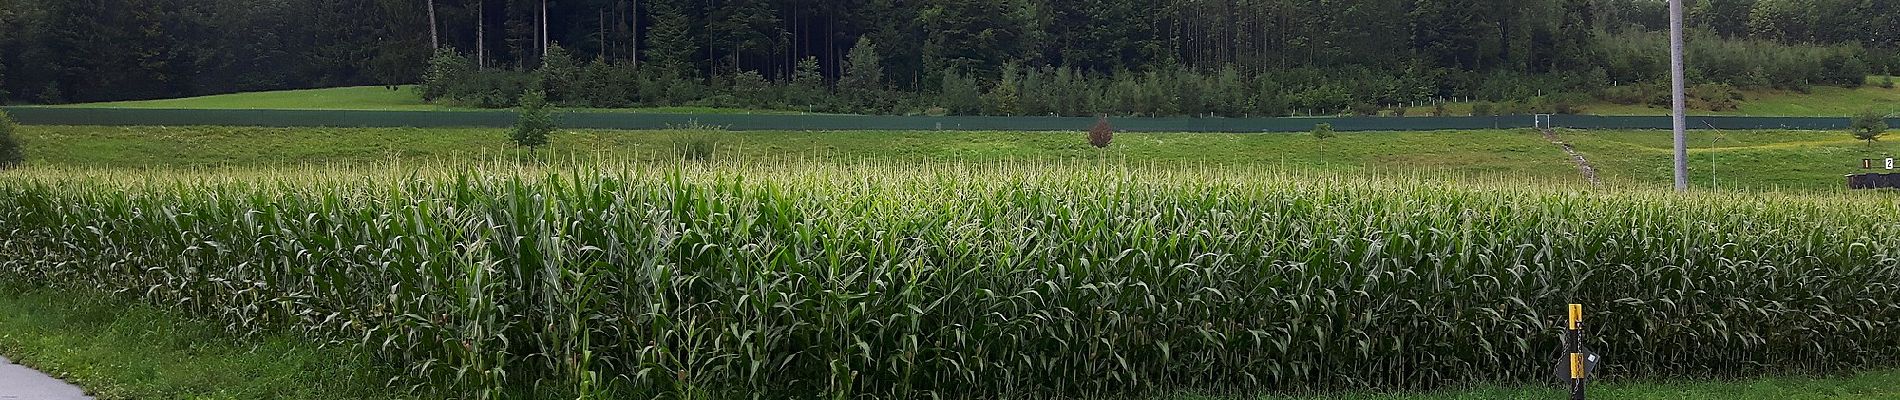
x,y
669,50
972,36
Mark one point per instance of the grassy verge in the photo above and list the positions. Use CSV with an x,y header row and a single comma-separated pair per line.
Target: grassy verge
x,y
117,350
1884,384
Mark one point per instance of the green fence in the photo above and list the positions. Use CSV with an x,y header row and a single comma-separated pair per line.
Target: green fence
x,y
610,120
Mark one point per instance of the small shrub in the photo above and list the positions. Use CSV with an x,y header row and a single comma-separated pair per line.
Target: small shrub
x,y
1626,95
445,69
1869,126
10,153
1886,82
1102,134
699,147
1481,109
1323,130
1365,109
1398,111
534,124
1568,103
1438,109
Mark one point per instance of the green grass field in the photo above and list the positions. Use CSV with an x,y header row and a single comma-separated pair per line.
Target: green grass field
x,y
1804,160
343,98
125,350
1821,101
371,98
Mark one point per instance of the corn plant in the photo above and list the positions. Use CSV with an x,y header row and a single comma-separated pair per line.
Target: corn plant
x,y
792,280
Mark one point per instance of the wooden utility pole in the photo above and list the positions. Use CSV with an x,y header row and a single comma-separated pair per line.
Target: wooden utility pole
x,y
1677,100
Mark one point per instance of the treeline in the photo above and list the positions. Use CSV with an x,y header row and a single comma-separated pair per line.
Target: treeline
x,y
56,51
1628,68
718,51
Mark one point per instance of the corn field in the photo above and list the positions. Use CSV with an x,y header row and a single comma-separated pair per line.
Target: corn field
x,y
1021,280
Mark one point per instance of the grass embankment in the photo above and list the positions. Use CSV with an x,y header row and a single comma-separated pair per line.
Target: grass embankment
x,y
1822,101
120,350
1827,101
1797,160
363,98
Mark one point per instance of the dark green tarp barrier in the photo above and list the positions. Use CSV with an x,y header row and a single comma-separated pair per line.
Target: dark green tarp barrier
x,y
611,120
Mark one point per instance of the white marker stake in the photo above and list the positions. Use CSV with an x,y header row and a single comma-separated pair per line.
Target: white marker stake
x,y
1889,162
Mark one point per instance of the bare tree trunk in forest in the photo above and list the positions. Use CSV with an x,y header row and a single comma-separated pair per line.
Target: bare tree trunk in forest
x,y
481,33
603,33
635,46
435,41
544,28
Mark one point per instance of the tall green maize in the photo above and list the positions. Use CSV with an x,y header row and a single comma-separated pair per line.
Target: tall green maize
x,y
795,280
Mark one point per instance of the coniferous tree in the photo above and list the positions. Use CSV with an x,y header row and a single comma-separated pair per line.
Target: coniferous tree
x,y
669,50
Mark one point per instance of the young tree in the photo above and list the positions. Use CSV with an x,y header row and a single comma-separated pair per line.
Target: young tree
x,y
1101,135
10,153
1869,126
560,75
445,70
960,95
807,89
863,80
534,124
1005,98
1323,130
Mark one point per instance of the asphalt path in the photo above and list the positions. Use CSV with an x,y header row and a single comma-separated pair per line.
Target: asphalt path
x,y
22,383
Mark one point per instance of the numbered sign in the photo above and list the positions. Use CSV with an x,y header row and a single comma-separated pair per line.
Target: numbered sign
x,y
1889,162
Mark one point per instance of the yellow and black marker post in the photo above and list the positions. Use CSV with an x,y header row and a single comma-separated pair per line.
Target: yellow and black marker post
x,y
1573,344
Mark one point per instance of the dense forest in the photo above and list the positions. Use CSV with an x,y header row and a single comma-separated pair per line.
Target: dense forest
x,y
1034,57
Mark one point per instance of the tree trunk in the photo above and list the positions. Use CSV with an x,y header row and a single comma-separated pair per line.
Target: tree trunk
x,y
635,35
435,41
544,28
481,33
